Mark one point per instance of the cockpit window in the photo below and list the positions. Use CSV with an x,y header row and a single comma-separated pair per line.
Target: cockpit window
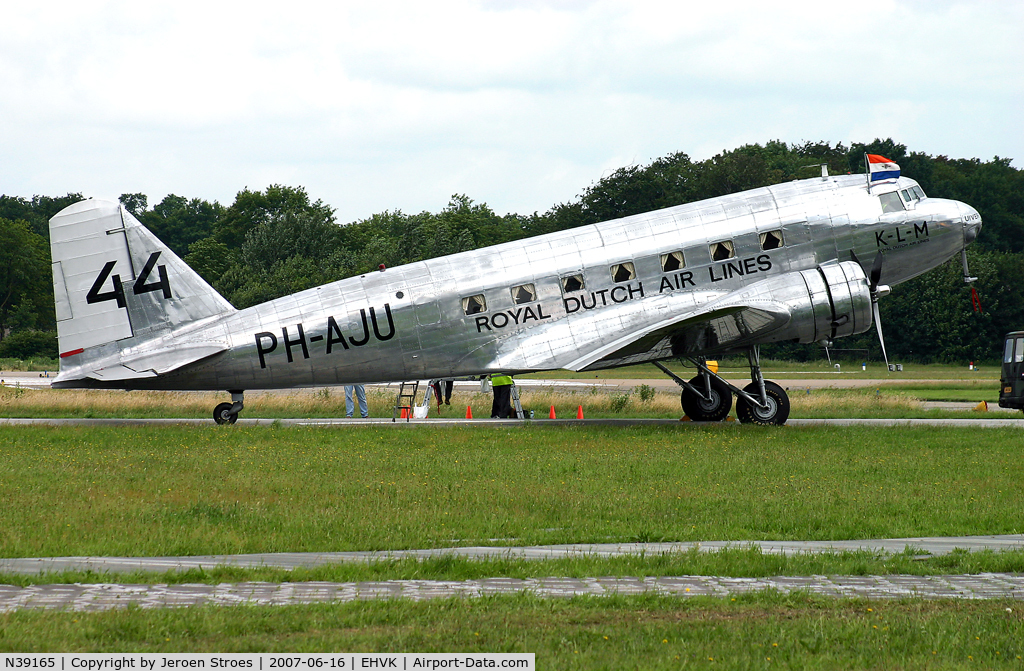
x,y
918,193
891,202
906,196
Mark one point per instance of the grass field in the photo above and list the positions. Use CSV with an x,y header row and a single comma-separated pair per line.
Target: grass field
x,y
211,490
766,630
889,401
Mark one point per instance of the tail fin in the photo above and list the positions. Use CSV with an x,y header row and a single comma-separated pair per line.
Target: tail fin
x,y
113,280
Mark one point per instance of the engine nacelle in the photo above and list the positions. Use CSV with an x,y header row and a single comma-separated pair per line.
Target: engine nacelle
x,y
827,302
833,302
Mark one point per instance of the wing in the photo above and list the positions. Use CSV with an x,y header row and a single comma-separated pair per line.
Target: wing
x,y
716,327
806,306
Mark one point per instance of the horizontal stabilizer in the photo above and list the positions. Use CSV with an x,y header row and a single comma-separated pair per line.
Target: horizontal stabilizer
x,y
149,363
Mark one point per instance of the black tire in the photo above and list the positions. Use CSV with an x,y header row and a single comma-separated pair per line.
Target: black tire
x,y
778,406
714,409
222,414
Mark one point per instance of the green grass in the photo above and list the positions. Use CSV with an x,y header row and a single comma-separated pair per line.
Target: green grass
x,y
763,630
213,490
894,401
36,364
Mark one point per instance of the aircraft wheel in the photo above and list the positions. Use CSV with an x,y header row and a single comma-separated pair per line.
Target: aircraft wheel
x,y
714,409
222,414
778,406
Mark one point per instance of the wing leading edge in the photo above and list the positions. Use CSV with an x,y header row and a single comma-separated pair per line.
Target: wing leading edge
x,y
810,305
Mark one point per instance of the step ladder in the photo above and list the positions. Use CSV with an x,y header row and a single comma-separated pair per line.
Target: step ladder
x,y
515,401
405,400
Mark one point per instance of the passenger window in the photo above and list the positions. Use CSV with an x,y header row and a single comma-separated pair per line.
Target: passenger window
x,y
891,202
1018,352
524,293
672,261
771,240
471,305
623,272
572,283
720,251
1008,351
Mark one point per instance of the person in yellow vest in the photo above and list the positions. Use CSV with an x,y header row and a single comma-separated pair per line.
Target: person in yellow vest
x,y
501,408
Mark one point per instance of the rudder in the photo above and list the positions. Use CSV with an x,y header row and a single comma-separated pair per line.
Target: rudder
x,y
114,280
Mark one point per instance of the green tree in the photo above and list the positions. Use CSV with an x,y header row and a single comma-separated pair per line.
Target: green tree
x,y
136,203
37,211
24,269
252,208
211,259
179,222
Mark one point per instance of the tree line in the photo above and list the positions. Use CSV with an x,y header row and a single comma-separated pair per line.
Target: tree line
x,y
279,240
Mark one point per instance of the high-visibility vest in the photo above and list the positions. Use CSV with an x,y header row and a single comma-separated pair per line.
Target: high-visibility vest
x,y
500,380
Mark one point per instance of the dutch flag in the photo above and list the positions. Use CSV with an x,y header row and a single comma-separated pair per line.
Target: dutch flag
x,y
882,169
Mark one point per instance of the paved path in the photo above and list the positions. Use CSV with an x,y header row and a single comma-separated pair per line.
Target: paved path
x,y
290,560
93,597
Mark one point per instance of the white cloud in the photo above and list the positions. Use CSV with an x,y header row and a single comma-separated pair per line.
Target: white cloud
x,y
521,105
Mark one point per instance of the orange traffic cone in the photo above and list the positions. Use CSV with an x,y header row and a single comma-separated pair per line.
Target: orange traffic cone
x,y
469,412
405,414
551,415
579,412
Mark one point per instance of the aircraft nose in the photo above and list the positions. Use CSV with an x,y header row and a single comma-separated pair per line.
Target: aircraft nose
x,y
971,221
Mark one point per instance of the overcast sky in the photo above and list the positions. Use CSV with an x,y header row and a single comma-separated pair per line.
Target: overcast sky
x,y
399,105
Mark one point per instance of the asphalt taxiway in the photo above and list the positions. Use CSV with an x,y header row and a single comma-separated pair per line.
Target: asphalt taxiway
x,y
924,546
105,596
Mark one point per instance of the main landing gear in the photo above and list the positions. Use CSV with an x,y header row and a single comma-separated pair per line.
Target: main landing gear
x,y
227,413
708,398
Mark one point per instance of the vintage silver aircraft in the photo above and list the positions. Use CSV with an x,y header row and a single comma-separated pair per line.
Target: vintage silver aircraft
x,y
779,263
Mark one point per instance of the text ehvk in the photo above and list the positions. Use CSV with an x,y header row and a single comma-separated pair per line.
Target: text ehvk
x,y
266,342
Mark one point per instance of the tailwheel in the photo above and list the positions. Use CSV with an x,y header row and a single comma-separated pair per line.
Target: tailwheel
x,y
714,408
777,411
222,414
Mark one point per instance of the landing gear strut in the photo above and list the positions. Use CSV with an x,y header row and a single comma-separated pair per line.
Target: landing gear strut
x,y
708,398
762,402
227,413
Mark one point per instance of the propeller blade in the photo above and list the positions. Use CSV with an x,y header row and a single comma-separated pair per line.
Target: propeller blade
x,y
878,326
876,272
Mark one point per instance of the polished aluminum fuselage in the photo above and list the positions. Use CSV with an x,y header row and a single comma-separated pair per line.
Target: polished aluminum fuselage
x,y
409,322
